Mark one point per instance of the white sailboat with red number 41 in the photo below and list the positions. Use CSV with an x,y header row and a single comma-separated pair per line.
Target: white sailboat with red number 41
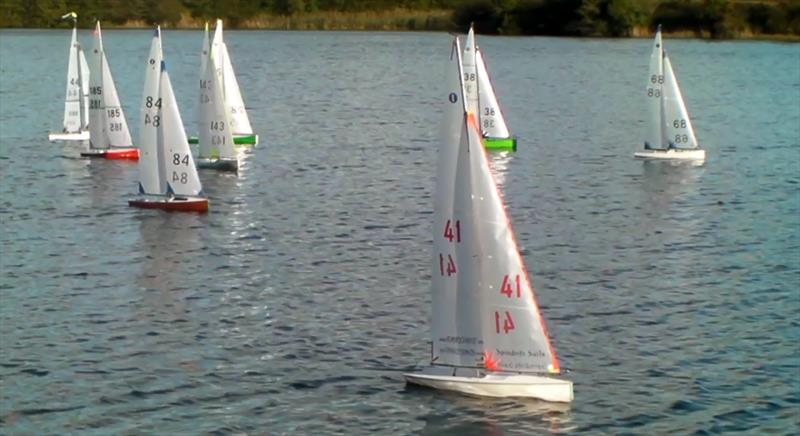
x,y
489,338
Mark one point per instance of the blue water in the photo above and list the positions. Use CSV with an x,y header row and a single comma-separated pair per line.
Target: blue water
x,y
672,292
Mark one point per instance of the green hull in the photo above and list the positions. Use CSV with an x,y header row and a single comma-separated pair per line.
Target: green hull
x,y
500,144
237,139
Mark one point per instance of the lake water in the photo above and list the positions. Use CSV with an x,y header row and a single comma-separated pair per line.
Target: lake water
x,y
672,292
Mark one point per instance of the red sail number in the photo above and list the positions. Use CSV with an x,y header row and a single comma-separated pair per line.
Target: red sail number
x,y
447,267
508,322
507,289
452,231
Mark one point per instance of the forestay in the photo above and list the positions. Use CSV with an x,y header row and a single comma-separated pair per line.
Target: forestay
x,y
484,311
493,125
151,176
655,80
240,123
178,164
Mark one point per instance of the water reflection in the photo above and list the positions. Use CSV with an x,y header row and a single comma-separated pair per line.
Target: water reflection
x,y
169,242
499,164
493,416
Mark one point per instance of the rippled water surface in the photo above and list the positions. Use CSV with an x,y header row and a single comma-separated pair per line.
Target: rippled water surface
x,y
294,305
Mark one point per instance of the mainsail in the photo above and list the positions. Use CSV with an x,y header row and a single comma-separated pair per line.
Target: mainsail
x,y
655,80
484,311
470,72
72,105
151,179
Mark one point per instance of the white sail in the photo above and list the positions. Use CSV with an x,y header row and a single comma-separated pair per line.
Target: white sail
x,y
484,309
116,125
677,125
151,179
107,125
493,124
655,80
216,138
72,104
470,72
178,164
444,287
84,75
97,118
240,123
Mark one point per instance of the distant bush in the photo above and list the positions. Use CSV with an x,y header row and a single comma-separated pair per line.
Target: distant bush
x,y
487,17
545,17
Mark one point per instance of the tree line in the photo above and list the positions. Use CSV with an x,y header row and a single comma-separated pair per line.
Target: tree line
x,y
711,18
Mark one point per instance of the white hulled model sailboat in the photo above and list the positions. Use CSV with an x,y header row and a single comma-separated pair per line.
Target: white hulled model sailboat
x,y
109,136
489,338
76,104
241,129
482,98
669,129
216,149
168,177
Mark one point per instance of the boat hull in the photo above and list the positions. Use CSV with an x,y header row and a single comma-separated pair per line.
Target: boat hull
x,y
672,154
113,153
172,204
498,384
237,139
83,135
218,164
500,144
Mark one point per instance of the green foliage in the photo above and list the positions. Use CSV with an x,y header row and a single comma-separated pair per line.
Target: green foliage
x,y
715,18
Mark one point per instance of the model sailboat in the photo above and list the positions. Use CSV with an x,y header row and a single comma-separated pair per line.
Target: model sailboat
x,y
76,104
489,338
669,129
168,178
109,136
482,100
216,141
242,131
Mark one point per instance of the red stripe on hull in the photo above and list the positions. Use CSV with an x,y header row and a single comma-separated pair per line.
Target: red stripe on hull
x,y
125,153
192,205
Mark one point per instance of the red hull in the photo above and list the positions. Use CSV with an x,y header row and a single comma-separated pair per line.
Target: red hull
x,y
172,204
120,153
123,153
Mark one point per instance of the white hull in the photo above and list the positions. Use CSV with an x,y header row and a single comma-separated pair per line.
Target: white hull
x,y
495,384
83,135
672,154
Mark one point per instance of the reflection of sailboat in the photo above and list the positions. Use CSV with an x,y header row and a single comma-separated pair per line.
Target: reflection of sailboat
x,y
76,103
669,129
109,136
493,416
489,338
163,235
482,100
